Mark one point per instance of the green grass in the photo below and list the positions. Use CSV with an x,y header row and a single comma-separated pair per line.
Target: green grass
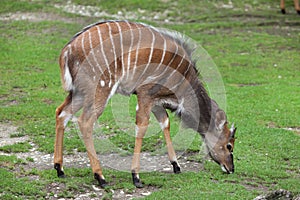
x,y
256,50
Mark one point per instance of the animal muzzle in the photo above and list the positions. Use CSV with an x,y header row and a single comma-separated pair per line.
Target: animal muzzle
x,y
228,166
228,170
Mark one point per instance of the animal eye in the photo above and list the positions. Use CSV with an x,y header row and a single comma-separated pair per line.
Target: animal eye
x,y
229,147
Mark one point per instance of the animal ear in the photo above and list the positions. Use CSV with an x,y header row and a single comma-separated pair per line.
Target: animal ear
x,y
232,130
220,119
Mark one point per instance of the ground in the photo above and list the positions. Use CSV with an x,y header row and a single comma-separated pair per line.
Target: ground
x,y
43,161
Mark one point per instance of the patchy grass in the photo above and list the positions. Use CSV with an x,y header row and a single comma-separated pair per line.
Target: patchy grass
x,y
256,50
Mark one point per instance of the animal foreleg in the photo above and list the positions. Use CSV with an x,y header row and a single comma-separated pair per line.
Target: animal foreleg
x,y
163,119
142,121
282,7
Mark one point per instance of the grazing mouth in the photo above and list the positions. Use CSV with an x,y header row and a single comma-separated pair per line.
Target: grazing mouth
x,y
224,169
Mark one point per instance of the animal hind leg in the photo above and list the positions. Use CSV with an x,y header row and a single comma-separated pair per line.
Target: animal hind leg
x,y
64,113
163,119
86,123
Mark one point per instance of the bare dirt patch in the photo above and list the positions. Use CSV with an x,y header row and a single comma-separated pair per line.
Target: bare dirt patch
x,y
6,130
294,129
34,17
42,161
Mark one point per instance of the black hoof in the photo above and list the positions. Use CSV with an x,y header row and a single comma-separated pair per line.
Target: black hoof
x,y
136,181
101,181
298,11
60,173
283,11
176,168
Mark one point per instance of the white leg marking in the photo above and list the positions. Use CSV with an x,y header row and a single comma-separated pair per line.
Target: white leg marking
x,y
66,116
164,124
136,130
175,159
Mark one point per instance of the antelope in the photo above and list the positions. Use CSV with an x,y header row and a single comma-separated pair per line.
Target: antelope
x,y
296,4
155,65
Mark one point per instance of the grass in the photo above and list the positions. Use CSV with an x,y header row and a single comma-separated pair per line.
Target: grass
x,y
256,50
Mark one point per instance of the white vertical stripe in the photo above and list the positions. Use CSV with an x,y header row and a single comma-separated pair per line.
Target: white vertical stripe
x,y
175,70
164,51
91,49
182,80
167,67
113,48
151,51
113,91
174,56
93,53
103,53
150,55
129,51
137,53
84,52
122,48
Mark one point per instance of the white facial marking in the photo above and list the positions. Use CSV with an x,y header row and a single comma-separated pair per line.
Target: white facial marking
x,y
223,168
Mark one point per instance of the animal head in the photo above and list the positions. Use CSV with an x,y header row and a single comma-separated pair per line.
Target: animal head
x,y
220,142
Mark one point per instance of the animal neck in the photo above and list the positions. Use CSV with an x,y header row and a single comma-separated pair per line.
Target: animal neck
x,y
198,109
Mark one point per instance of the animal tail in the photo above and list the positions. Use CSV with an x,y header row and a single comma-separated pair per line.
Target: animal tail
x,y
66,76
